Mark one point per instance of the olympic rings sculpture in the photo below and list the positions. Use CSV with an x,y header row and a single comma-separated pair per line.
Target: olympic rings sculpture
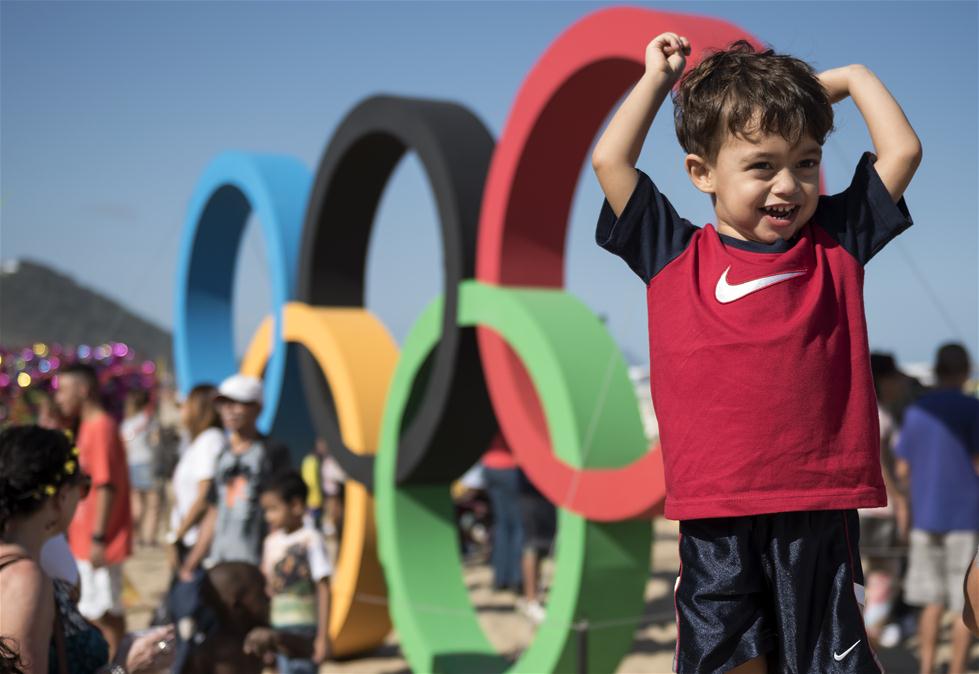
x,y
502,346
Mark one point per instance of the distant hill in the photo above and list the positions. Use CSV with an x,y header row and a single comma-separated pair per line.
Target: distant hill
x,y
38,304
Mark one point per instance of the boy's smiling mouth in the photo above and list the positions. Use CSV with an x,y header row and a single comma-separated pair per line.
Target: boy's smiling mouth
x,y
780,215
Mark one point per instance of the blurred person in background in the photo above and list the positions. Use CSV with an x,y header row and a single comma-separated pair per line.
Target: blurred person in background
x,y
882,528
332,479
170,441
472,511
312,473
138,431
539,519
297,570
100,534
970,612
194,474
233,528
502,479
48,414
938,454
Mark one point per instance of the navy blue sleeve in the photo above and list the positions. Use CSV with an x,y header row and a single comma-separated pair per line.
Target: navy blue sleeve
x,y
863,217
648,234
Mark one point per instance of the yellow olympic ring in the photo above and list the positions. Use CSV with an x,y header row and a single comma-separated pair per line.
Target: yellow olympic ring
x,y
357,356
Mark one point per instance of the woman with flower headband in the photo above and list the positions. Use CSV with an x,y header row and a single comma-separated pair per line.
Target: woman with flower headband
x,y
41,484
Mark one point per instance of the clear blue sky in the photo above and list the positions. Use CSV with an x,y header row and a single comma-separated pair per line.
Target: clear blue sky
x,y
109,112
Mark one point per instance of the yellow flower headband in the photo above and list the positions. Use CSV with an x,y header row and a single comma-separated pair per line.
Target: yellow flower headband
x,y
71,465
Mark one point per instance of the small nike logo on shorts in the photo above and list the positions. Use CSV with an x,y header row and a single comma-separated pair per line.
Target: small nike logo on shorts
x,y
840,656
726,292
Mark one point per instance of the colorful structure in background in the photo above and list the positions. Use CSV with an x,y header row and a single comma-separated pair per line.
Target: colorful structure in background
x,y
504,345
29,376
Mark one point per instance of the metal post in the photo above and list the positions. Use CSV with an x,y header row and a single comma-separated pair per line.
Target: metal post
x,y
581,631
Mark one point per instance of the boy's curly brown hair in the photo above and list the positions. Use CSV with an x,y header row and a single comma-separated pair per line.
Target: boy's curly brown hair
x,y
729,88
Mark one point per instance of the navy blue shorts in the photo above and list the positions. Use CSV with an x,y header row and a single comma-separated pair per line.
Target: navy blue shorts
x,y
787,585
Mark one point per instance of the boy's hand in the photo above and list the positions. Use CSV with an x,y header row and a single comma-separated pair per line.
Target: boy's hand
x,y
666,55
261,641
836,82
322,649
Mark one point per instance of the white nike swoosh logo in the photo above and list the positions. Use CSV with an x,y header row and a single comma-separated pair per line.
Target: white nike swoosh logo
x,y
840,656
725,292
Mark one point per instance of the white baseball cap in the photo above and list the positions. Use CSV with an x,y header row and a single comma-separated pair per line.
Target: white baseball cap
x,y
241,389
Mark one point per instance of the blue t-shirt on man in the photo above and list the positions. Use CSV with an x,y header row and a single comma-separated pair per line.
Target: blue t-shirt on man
x,y
940,441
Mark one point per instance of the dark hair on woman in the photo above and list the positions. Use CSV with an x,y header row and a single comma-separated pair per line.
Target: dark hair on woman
x,y
30,458
744,92
201,412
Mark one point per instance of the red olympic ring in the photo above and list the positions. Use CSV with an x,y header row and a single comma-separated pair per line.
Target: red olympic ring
x,y
537,160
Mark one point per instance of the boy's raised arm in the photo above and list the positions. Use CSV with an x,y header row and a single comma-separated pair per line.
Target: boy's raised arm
x,y
615,155
895,142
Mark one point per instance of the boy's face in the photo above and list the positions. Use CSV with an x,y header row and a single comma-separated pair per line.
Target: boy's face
x,y
279,514
764,187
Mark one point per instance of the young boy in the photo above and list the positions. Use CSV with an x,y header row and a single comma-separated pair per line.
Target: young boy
x,y
760,371
297,571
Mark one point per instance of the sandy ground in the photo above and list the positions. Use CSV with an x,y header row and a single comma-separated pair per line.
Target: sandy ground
x,y
508,629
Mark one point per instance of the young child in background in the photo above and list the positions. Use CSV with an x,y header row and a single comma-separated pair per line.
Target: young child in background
x,y
297,571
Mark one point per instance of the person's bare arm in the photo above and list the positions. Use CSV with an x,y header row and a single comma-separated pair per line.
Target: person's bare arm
x,y
902,471
971,609
895,142
197,509
27,613
201,547
104,496
263,641
615,155
322,648
898,501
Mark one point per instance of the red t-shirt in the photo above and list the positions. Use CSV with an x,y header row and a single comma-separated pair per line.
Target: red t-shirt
x,y
760,366
102,456
498,455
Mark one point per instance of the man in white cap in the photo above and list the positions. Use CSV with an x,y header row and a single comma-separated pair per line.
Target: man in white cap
x,y
233,528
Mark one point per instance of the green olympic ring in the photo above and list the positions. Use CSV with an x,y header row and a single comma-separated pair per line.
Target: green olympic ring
x,y
600,567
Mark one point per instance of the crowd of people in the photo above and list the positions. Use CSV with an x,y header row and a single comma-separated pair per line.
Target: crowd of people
x,y
60,600
919,549
79,494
